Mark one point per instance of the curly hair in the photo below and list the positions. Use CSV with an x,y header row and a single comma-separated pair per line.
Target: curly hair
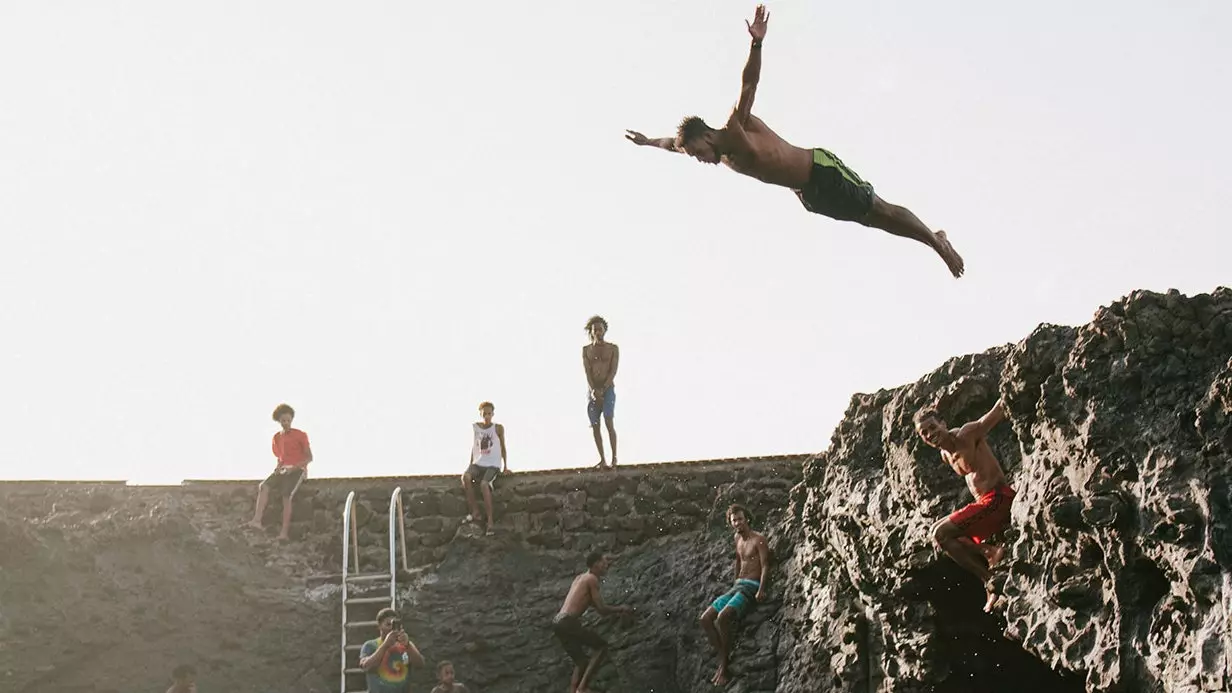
x,y
596,320
283,409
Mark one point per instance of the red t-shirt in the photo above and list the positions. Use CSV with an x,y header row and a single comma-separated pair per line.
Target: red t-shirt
x,y
291,448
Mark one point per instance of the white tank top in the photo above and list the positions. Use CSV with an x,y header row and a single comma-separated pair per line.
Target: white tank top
x,y
486,452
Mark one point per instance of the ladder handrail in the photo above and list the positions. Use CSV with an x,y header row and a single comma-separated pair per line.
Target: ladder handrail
x,y
348,531
395,507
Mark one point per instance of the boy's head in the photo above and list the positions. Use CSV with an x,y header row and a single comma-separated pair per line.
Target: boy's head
x,y
486,411
598,563
930,426
284,415
596,327
387,621
738,517
444,673
698,140
185,677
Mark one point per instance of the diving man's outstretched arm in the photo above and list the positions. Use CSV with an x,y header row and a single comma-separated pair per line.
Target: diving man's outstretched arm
x,y
668,143
752,68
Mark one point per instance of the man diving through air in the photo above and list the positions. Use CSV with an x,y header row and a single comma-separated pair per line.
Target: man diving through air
x,y
824,184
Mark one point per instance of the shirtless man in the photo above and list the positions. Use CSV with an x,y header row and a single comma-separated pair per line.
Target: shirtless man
x,y
568,629
964,534
824,184
600,359
752,569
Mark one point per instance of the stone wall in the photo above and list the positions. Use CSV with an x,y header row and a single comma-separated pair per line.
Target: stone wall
x,y
168,574
577,510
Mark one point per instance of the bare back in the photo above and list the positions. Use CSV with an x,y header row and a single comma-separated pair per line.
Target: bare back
x,y
973,460
749,556
758,152
580,597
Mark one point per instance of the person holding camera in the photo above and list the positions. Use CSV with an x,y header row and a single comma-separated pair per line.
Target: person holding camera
x,y
388,659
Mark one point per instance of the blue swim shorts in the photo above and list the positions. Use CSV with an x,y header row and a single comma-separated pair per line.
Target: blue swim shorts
x,y
740,597
609,406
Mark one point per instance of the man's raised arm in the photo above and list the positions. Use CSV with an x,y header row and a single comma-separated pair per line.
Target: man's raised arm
x,y
979,429
668,143
752,68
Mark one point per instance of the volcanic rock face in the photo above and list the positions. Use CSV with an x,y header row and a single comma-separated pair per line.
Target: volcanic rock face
x,y
1119,443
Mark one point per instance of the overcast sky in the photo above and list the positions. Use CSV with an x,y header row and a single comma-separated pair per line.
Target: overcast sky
x,y
384,213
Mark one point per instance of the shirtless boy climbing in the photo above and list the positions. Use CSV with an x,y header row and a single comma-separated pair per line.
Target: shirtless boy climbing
x,y
964,534
824,184
567,625
752,568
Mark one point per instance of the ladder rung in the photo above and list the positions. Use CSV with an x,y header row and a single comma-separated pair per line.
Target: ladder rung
x,y
361,624
368,577
354,648
367,600
356,670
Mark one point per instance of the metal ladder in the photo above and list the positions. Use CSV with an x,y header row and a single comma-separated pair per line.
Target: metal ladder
x,y
352,578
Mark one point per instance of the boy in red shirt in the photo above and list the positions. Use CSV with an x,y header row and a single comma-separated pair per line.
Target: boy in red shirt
x,y
291,448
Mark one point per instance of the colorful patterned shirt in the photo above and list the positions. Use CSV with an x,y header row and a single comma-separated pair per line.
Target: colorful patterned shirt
x,y
392,675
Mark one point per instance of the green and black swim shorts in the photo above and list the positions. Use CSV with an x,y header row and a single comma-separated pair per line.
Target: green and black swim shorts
x,y
834,190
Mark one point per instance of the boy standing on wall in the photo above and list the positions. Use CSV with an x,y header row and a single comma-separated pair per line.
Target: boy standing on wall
x,y
600,360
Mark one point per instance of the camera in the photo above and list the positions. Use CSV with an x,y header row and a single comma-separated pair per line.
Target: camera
x,y
396,625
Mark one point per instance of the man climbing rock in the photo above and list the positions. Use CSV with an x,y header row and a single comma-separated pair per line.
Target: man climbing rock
x,y
752,569
567,625
964,534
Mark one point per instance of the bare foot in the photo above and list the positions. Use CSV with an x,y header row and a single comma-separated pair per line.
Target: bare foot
x,y
993,554
720,677
284,537
602,464
952,259
613,462
255,525
991,602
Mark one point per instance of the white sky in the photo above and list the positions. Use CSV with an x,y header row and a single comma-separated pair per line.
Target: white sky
x,y
383,213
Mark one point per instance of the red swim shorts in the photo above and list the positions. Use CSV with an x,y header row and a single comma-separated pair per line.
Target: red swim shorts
x,y
986,516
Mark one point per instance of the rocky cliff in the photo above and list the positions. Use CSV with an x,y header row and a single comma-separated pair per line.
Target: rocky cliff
x,y
1117,576
1119,443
